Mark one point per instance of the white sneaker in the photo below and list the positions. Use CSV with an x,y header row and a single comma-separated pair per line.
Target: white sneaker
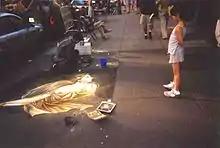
x,y
169,86
172,93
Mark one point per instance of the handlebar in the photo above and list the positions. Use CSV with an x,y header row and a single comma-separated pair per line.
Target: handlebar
x,y
70,28
70,31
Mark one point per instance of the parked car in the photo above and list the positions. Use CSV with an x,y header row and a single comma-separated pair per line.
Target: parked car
x,y
81,5
46,12
18,38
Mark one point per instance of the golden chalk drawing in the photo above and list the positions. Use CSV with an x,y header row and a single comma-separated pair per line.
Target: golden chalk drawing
x,y
60,96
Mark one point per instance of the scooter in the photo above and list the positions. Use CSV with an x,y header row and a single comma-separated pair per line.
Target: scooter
x,y
115,7
66,57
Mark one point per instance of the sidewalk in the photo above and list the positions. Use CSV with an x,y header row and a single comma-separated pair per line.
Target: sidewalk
x,y
201,59
156,121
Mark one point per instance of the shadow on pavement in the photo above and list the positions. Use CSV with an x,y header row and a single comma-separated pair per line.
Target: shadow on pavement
x,y
145,51
200,58
201,73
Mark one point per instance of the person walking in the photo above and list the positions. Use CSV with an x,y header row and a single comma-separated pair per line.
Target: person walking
x,y
163,8
128,5
137,7
147,7
133,5
90,9
176,52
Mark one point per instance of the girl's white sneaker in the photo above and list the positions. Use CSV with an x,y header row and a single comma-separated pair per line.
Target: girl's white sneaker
x,y
172,93
169,86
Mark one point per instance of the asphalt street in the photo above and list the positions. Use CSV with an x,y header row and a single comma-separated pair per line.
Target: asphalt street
x,y
143,116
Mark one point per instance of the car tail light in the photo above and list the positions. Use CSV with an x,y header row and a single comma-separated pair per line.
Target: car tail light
x,y
52,21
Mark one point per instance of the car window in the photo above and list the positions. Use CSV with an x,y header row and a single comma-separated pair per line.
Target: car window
x,y
5,27
79,2
10,24
16,23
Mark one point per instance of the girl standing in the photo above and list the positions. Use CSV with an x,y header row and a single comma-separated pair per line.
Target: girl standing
x,y
176,52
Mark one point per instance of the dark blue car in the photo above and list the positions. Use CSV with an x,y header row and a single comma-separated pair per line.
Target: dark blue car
x,y
17,36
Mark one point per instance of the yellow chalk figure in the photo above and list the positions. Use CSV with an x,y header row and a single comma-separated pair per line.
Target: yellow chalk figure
x,y
56,97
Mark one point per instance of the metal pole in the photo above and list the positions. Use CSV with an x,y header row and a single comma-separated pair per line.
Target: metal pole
x,y
108,6
119,11
0,6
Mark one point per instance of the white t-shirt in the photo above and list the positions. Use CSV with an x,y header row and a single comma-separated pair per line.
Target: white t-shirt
x,y
173,44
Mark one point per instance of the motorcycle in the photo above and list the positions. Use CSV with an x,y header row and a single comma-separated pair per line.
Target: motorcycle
x,y
115,7
66,58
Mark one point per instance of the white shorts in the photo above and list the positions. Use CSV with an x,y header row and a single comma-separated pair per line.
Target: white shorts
x,y
178,57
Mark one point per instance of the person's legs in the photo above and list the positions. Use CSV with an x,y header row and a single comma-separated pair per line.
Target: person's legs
x,y
102,33
102,24
133,3
128,5
176,76
99,27
143,22
106,30
174,86
137,7
124,8
163,24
